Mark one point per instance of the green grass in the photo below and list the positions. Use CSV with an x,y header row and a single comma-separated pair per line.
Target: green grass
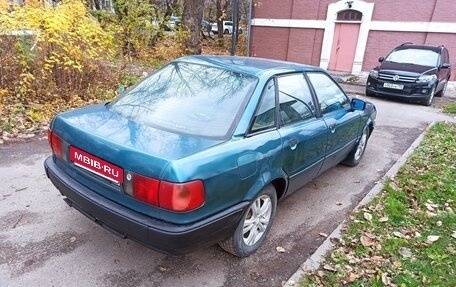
x,y
407,235
450,108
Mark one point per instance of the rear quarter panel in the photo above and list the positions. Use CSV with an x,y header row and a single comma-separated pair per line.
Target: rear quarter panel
x,y
233,172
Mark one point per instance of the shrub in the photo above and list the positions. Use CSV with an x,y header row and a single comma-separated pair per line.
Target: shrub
x,y
49,50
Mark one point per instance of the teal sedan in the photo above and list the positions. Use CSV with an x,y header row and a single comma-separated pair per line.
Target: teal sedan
x,y
200,151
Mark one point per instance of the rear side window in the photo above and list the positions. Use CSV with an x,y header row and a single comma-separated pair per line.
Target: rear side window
x,y
295,99
188,98
265,115
330,96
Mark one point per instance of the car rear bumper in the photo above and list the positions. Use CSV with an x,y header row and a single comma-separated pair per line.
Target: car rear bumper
x,y
159,235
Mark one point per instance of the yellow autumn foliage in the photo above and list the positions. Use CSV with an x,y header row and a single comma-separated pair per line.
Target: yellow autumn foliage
x,y
46,50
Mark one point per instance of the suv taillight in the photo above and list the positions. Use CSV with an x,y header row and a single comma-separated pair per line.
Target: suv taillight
x,y
55,143
179,197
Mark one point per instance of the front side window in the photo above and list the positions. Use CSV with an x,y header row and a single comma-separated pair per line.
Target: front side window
x,y
414,56
188,98
295,99
330,96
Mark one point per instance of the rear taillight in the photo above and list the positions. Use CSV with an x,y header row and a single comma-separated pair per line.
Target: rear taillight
x,y
172,196
181,196
146,189
56,144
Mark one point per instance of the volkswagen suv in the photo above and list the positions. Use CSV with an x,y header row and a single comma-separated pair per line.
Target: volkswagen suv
x,y
412,72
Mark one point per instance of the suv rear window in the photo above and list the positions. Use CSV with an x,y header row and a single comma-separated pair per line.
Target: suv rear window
x,y
414,56
188,98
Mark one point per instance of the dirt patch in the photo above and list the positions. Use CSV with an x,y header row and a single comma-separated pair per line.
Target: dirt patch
x,y
18,218
23,258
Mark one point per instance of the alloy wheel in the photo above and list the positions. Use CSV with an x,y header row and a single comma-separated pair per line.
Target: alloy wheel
x,y
257,220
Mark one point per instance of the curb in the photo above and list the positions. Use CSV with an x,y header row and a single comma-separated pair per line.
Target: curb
x,y
314,261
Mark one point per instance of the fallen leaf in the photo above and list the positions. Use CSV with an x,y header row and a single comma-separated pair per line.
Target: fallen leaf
x,y
291,283
370,235
439,223
398,234
72,239
329,268
338,203
385,279
404,251
425,280
162,269
352,277
429,207
320,273
454,234
432,238
322,234
367,216
383,219
397,264
431,214
366,241
280,249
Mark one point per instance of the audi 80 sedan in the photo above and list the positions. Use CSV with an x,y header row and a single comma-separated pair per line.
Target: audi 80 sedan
x,y
200,151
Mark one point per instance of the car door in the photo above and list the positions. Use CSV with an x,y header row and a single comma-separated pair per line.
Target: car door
x,y
342,122
304,135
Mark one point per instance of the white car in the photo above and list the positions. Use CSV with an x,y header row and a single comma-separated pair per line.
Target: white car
x,y
227,28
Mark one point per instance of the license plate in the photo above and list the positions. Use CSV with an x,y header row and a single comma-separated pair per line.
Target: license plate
x,y
393,86
96,165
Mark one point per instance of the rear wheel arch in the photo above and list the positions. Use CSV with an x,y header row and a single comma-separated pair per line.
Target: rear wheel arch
x,y
280,186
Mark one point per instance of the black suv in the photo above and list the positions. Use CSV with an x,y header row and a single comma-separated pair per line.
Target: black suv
x,y
414,72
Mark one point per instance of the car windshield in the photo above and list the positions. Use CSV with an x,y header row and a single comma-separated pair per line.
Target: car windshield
x,y
414,56
188,98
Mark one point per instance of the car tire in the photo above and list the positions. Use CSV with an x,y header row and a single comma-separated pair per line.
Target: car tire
x,y
441,93
428,101
356,154
254,225
226,31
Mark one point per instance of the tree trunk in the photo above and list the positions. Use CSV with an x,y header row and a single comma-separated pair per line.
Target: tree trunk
x,y
191,19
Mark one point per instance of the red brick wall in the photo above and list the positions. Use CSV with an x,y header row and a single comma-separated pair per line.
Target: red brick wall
x,y
288,9
305,44
269,42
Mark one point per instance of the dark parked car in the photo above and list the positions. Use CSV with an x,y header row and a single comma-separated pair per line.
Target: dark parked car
x,y
414,72
200,151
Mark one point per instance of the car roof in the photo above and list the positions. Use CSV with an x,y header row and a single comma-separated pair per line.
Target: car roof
x,y
420,47
248,65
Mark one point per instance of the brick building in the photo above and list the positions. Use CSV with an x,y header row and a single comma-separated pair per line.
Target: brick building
x,y
348,35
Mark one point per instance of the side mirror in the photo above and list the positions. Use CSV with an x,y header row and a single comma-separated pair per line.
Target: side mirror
x,y
358,104
381,59
445,66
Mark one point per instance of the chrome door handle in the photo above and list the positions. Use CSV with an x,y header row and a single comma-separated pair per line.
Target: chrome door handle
x,y
293,144
332,128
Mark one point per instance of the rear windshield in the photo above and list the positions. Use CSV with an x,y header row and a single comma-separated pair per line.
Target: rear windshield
x,y
414,56
188,98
